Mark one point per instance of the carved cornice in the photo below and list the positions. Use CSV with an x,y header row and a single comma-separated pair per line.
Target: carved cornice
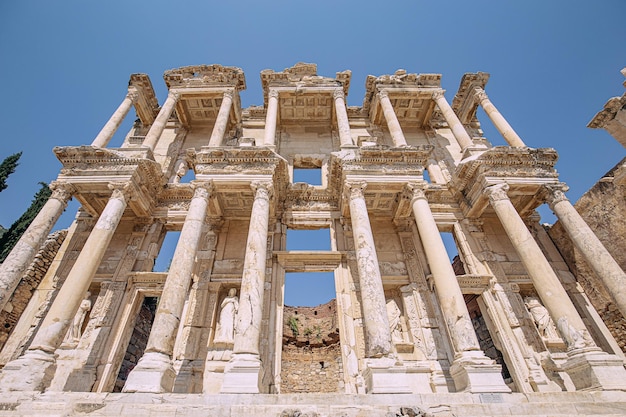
x,y
608,113
464,103
146,104
224,161
205,76
384,159
400,79
302,75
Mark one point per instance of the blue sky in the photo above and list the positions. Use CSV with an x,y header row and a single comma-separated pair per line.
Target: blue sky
x,y
65,65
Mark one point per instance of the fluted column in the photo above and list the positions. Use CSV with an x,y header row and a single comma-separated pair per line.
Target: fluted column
x,y
545,281
159,123
154,371
24,251
377,335
34,370
498,120
458,130
217,135
271,116
392,120
345,138
588,244
449,293
116,119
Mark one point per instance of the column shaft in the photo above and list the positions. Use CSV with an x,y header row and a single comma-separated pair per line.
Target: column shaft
x,y
159,123
499,121
269,137
545,281
449,293
458,130
24,251
248,328
392,120
594,252
217,135
59,318
169,311
343,124
109,129
377,334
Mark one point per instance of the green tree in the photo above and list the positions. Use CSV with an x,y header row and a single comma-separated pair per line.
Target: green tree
x,y
17,229
7,167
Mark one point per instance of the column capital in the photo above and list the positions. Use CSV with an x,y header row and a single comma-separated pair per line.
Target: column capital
x,y
62,191
262,189
273,93
555,193
132,94
229,93
480,94
338,93
438,94
416,190
382,94
175,94
356,189
202,189
121,190
497,192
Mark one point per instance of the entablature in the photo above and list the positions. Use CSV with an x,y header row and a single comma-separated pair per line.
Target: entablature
x,y
464,103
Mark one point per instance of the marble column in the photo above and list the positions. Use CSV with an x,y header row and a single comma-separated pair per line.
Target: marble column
x,y
458,130
34,370
242,372
449,293
499,122
345,138
377,334
392,120
471,370
159,123
154,371
269,138
545,280
116,119
588,244
24,251
217,135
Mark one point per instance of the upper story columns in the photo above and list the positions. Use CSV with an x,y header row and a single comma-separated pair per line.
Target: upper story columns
x,y
458,130
498,120
116,119
343,123
217,136
159,123
392,121
271,116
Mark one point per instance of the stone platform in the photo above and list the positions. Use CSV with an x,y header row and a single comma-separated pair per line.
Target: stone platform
x,y
292,405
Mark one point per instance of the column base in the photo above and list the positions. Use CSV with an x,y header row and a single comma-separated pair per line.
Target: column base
x,y
473,372
32,371
595,370
385,376
154,373
242,375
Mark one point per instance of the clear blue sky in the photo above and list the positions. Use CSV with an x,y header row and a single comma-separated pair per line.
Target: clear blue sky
x,y
65,65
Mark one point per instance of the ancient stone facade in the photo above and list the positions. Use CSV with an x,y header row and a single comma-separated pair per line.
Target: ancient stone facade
x,y
509,324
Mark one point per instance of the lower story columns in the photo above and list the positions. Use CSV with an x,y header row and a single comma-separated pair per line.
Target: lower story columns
x,y
34,370
471,370
587,365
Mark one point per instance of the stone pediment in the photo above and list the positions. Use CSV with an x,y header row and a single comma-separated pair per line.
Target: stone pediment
x,y
205,76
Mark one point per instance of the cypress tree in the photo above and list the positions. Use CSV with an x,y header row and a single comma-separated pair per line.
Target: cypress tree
x,y
7,167
17,229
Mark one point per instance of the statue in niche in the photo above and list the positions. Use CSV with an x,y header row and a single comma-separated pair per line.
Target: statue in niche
x,y
541,317
225,332
75,331
395,327
181,171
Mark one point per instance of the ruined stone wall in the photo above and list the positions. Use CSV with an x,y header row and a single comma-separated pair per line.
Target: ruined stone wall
x,y
311,355
603,207
29,283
